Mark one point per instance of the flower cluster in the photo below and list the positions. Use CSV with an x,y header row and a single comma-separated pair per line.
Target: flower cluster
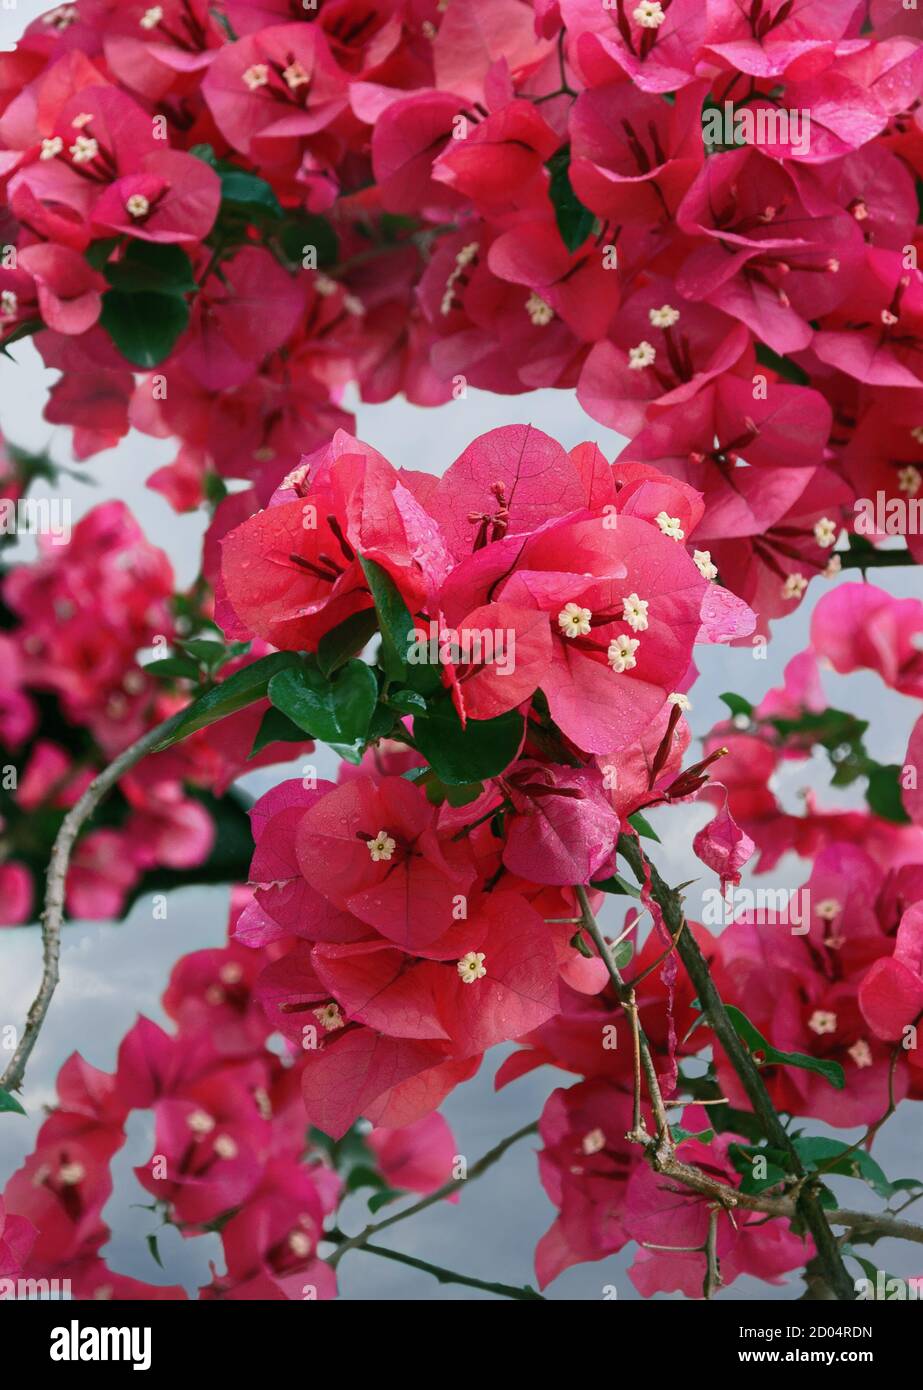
x,y
701,216
230,1152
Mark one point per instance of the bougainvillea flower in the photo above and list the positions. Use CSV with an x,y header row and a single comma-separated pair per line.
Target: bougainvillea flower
x,y
375,851
859,626
562,829
418,1158
17,1236
667,1214
891,995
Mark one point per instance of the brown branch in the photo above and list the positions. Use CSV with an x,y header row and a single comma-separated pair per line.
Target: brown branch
x,y
55,884
712,1005
447,1189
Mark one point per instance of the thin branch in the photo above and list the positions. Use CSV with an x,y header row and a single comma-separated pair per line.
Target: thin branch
x,y
447,1189
713,1280
450,1276
712,1005
627,999
55,884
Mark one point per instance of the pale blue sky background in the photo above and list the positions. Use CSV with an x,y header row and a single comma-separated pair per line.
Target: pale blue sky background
x,y
111,973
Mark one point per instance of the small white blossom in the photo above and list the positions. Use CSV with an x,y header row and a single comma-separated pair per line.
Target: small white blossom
x,y
621,653
821,1022
644,355
649,14
825,532
670,526
574,621
634,612
664,317
256,76
703,563
794,586
382,847
471,967
539,311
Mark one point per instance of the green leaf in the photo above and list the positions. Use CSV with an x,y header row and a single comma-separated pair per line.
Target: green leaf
x,y
394,619
210,654
249,193
643,827
381,1199
276,727
622,954
10,1104
771,1056
151,1242
144,327
98,253
484,748
173,668
618,885
298,233
407,701
362,1175
346,640
816,1152
243,688
785,367
737,704
883,794
704,1136
148,267
336,709
575,222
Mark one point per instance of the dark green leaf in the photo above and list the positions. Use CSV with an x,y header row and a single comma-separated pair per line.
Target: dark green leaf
x,y
785,367
394,619
336,709
154,1249
173,668
249,193
883,795
210,654
768,1055
10,1104
298,234
149,267
618,885
276,727
737,704
144,327
575,222
643,827
836,1157
346,640
381,1199
243,688
484,748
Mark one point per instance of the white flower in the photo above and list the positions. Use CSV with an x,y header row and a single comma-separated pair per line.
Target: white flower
x,y
828,909
664,317
594,1142
84,149
137,205
299,1244
917,433
826,532
794,586
821,1022
681,701
641,356
703,563
71,1174
329,1017
382,847
225,1146
540,312
471,967
649,14
256,76
621,653
634,612
152,17
325,284
670,526
295,76
574,621
51,147
861,1053
200,1122
82,121
9,304
909,479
